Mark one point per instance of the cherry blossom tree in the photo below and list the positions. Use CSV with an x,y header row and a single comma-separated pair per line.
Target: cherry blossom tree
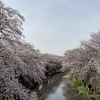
x,y
10,23
84,59
21,65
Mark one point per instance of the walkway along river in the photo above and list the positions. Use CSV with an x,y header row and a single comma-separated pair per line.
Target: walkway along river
x,y
57,88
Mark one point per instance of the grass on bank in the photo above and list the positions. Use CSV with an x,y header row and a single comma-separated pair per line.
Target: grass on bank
x,y
80,86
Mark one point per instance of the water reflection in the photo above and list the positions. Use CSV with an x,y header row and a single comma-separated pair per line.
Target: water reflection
x,y
69,92
57,88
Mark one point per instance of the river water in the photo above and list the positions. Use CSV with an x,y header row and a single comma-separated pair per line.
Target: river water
x,y
57,88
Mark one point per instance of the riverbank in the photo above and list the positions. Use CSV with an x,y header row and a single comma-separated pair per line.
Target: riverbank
x,y
57,88
77,83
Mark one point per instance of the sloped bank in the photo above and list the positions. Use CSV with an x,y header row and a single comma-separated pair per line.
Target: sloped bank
x,y
76,81
89,74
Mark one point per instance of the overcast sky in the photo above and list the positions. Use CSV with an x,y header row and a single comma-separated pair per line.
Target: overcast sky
x,y
54,26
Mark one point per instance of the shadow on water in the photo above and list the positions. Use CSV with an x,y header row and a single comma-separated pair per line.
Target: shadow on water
x,y
57,88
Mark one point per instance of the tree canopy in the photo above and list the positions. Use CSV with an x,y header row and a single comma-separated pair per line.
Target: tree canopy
x,y
11,22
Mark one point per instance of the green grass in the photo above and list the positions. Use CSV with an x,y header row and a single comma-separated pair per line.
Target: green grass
x,y
98,97
80,86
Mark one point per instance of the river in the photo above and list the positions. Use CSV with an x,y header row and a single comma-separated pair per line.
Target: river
x,y
57,88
